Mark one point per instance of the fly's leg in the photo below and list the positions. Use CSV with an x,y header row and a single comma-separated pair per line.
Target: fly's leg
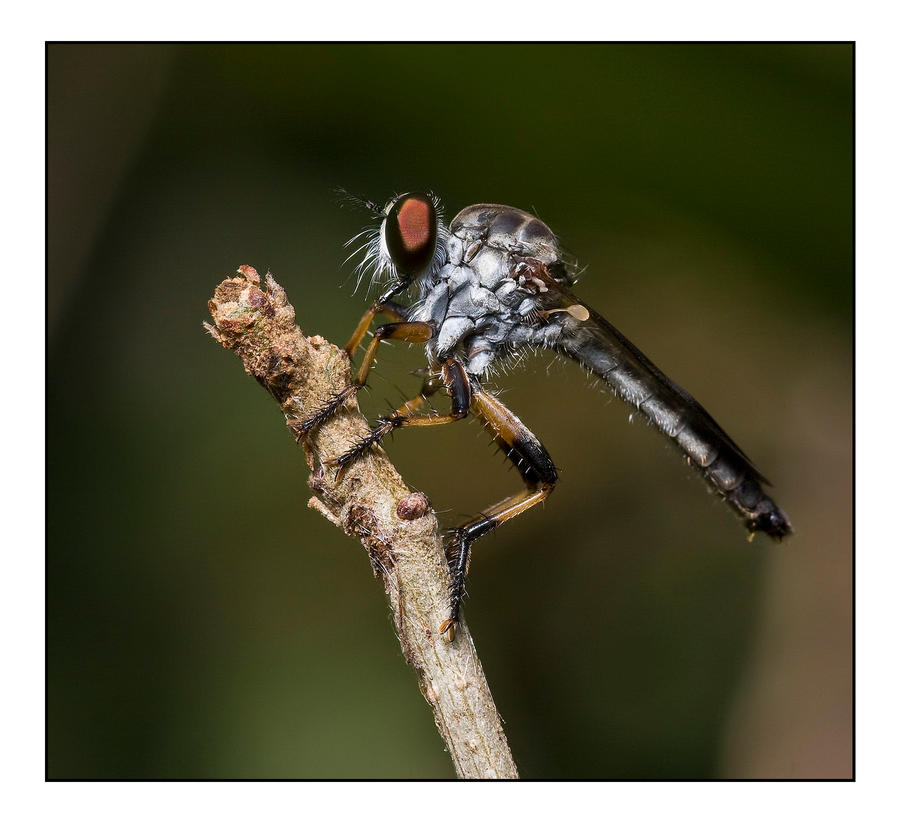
x,y
537,470
452,376
408,332
396,312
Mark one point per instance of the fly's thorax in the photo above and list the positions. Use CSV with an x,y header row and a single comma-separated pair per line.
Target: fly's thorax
x,y
482,324
486,236
482,301
506,227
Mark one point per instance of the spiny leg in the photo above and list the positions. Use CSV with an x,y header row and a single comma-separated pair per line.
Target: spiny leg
x,y
537,470
407,331
452,376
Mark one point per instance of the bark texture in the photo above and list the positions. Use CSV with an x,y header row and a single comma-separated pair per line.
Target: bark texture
x,y
371,503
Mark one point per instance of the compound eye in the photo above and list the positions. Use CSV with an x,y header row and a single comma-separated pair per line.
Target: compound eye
x,y
410,231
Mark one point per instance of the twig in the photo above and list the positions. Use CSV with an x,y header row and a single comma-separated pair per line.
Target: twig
x,y
371,502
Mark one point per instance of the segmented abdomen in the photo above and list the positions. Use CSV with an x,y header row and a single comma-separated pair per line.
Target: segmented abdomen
x,y
601,348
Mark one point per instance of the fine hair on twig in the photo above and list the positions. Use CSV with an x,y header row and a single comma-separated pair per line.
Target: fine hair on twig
x,y
369,502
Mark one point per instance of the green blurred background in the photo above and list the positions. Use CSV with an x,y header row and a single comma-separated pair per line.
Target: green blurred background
x,y
202,622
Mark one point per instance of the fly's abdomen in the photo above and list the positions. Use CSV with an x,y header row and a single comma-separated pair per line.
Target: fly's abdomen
x,y
598,346
731,474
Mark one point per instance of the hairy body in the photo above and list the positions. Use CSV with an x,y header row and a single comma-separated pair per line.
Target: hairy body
x,y
491,286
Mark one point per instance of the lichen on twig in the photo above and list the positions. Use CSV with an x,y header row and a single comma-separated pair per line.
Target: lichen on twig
x,y
369,502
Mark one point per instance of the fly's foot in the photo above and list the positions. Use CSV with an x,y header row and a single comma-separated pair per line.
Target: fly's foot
x,y
448,627
301,428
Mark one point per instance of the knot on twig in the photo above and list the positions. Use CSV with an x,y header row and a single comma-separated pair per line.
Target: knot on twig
x,y
412,507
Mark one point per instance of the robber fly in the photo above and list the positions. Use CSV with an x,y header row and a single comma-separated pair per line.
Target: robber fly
x,y
492,285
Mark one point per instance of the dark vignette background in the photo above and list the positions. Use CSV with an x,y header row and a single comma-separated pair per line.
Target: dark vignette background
x,y
203,623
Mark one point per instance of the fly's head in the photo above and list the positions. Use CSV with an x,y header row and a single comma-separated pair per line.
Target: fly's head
x,y
407,243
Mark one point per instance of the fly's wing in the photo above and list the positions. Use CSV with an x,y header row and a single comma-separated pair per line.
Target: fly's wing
x,y
591,340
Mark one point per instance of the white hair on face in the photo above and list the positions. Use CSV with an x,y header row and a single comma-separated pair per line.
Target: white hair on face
x,y
371,262
376,264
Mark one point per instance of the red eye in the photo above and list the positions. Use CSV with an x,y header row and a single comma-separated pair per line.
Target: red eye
x,y
410,231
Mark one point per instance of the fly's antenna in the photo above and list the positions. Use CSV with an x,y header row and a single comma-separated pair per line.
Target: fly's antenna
x,y
345,198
